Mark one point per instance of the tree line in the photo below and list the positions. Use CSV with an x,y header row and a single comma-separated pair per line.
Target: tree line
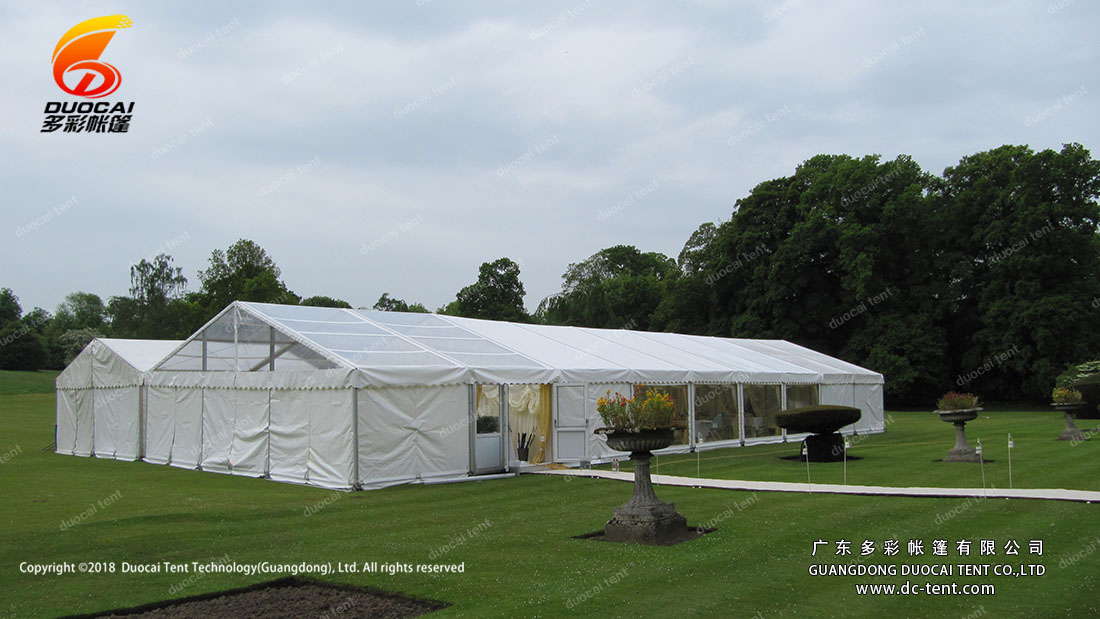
x,y
984,279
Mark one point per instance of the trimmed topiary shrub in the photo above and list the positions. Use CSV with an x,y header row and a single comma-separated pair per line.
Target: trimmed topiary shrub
x,y
1090,395
822,419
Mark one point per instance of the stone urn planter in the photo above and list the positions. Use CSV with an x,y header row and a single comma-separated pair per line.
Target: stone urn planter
x,y
962,451
1071,433
824,444
644,519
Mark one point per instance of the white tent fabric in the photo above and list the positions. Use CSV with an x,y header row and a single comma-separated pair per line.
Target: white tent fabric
x,y
100,397
346,398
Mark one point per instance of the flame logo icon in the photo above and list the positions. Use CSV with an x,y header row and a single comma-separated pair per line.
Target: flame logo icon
x,y
79,50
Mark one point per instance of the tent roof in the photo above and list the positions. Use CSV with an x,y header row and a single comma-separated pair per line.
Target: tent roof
x,y
108,362
398,348
142,355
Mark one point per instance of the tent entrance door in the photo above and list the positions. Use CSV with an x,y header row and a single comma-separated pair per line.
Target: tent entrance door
x,y
490,423
570,424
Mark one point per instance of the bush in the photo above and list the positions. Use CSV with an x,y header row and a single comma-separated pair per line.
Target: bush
x,y
823,419
1090,393
1076,374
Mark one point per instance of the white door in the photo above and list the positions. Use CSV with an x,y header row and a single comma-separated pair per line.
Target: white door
x,y
570,426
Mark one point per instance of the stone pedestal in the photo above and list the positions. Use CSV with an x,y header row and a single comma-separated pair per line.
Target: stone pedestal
x,y
1071,433
644,519
962,451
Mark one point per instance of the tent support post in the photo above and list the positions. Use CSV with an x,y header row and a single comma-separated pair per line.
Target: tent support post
x,y
355,438
741,412
691,416
505,431
471,411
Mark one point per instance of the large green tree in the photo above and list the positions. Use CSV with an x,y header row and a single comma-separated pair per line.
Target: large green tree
x,y
243,272
496,295
156,307
323,301
79,318
10,310
617,287
386,303
1023,239
22,345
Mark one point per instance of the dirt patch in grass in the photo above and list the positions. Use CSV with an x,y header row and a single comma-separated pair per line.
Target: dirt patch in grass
x,y
286,597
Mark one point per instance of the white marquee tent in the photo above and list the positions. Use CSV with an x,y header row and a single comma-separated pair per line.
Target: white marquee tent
x,y
101,396
362,399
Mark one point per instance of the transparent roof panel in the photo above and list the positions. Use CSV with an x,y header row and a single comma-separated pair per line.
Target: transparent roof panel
x,y
311,326
391,319
262,337
363,343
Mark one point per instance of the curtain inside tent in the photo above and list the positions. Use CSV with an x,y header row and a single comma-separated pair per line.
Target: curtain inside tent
x,y
802,395
545,425
762,402
529,414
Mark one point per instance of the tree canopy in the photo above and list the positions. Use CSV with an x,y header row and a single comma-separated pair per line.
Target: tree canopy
x,y
496,295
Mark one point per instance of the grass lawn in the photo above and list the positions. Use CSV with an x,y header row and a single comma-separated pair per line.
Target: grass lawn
x,y
514,538
907,454
12,383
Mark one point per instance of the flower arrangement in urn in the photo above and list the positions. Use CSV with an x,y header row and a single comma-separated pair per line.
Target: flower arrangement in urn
x,y
957,402
650,409
1066,395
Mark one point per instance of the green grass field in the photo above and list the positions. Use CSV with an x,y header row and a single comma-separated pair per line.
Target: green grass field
x,y
907,454
12,383
514,537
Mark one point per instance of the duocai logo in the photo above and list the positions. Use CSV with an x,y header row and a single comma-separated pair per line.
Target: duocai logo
x,y
78,71
77,68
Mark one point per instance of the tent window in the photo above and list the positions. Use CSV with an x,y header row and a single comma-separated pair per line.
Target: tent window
x,y
802,395
762,403
488,409
716,413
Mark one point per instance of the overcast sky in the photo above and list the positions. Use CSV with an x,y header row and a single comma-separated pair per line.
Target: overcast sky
x,y
395,146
